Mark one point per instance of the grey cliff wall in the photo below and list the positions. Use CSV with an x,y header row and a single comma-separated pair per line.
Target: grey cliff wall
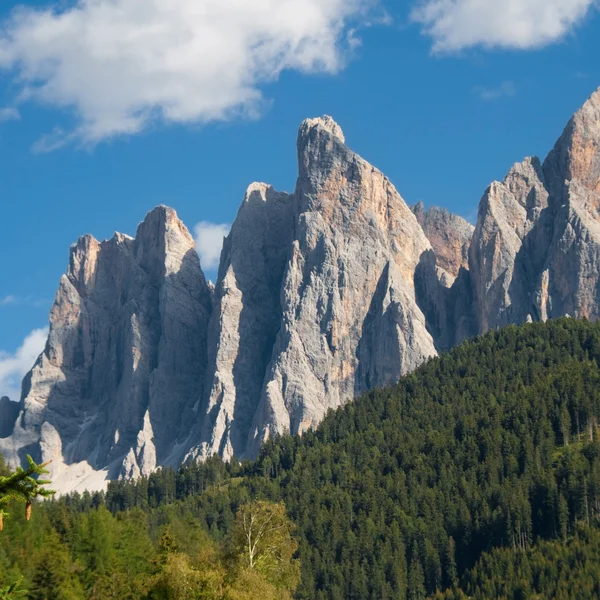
x,y
321,295
116,387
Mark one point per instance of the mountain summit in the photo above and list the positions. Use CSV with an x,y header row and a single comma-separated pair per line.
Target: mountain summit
x,y
321,295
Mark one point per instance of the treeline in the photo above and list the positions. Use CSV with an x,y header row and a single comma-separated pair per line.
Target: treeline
x,y
490,451
69,552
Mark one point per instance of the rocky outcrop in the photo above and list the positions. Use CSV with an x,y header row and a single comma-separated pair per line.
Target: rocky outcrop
x,y
321,294
116,388
246,319
349,315
8,416
535,248
570,281
449,236
501,256
442,281
315,298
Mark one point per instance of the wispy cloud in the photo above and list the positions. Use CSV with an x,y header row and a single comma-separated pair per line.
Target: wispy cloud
x,y
120,65
455,25
12,300
54,140
209,242
505,90
13,367
9,113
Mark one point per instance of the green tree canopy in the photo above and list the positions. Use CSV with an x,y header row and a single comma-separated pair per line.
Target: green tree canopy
x,y
264,542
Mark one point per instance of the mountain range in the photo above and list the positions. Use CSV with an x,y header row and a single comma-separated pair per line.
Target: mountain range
x,y
321,295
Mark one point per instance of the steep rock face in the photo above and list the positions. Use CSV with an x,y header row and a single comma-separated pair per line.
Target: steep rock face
x,y
500,254
321,295
246,319
314,302
8,416
442,282
115,388
576,155
449,235
535,250
570,283
349,315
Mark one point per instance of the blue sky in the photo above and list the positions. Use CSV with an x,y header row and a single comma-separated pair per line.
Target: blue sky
x,y
109,107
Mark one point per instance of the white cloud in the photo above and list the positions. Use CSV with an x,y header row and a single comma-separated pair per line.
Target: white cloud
x,y
13,367
123,64
34,301
522,24
505,90
209,242
9,113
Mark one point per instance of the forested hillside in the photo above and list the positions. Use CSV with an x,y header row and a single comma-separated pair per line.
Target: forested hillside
x,y
555,569
479,468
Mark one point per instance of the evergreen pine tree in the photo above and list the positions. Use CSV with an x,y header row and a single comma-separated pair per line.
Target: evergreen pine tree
x,y
23,486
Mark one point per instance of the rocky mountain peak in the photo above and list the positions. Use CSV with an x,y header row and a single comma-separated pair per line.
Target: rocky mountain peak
x,y
576,155
325,123
321,150
526,182
321,294
256,190
246,319
161,219
83,260
347,292
116,387
256,197
583,148
535,249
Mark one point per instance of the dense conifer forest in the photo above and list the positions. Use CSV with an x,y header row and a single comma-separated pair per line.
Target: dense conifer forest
x,y
476,476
